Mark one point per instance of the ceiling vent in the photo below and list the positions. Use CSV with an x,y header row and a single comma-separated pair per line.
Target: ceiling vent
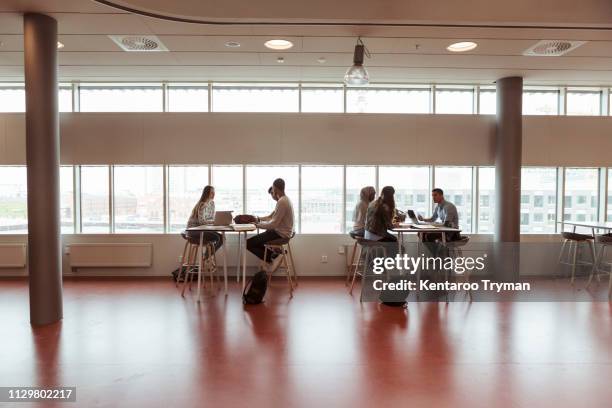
x,y
138,43
552,48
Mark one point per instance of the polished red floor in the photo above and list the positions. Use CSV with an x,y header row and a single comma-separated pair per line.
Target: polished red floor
x,y
137,343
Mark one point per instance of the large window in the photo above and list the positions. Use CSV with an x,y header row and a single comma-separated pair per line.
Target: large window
x,y
12,98
13,200
121,98
581,194
65,99
322,199
95,199
538,199
540,102
411,183
488,101
259,179
322,98
454,100
185,186
583,102
67,199
255,98
388,100
486,200
456,182
357,177
187,98
228,184
138,199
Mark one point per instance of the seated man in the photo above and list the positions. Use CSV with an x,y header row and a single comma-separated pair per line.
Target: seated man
x,y
279,224
445,213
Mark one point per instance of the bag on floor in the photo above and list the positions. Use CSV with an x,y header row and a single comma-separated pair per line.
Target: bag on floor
x,y
255,289
394,298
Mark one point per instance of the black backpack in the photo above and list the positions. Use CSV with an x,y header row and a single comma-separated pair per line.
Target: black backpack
x,y
394,298
255,289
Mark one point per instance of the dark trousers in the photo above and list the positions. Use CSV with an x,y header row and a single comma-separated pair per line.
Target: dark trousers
x,y
388,238
209,236
255,244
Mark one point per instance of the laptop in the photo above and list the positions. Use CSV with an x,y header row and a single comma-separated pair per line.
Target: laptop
x,y
223,218
415,220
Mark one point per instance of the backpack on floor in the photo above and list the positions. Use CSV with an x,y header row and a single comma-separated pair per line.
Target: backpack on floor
x,y
255,290
394,298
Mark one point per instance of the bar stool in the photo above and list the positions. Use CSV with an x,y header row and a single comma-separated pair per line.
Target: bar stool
x,y
191,265
573,240
283,248
356,251
187,258
606,242
368,250
455,251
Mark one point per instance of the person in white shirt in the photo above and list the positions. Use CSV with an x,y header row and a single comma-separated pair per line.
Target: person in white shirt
x,y
277,225
366,196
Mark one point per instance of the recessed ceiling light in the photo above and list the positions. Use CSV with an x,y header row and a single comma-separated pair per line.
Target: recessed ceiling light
x,y
322,60
278,44
462,46
60,45
232,44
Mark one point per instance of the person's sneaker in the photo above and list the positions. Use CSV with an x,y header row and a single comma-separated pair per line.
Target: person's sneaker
x,y
273,266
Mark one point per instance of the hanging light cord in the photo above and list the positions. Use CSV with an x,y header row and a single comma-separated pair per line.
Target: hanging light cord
x,y
366,51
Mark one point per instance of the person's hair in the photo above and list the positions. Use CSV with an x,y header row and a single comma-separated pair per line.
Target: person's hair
x,y
386,198
270,190
279,183
203,198
367,194
438,190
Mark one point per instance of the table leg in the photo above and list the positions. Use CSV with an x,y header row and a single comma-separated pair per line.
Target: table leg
x,y
400,240
201,255
224,261
239,256
244,251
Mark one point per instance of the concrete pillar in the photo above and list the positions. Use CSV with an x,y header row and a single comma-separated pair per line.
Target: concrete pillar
x,y
508,159
42,156
508,154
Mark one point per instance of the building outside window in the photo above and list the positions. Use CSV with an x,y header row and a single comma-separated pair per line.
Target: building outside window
x,y
67,199
13,200
486,208
357,177
228,183
456,182
538,186
322,189
581,194
138,199
95,199
260,178
411,185
185,187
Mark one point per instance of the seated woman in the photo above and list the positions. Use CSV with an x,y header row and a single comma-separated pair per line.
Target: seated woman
x,y
204,213
380,217
366,196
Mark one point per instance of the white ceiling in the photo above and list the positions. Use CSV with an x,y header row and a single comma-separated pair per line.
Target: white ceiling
x,y
399,54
